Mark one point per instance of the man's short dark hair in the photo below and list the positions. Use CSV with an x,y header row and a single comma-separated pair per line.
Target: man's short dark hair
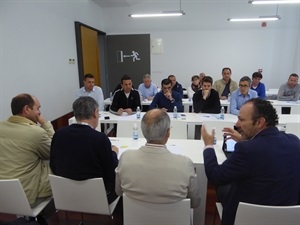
x,y
257,75
125,77
195,77
88,75
265,109
294,75
165,82
226,68
207,79
21,100
246,78
171,76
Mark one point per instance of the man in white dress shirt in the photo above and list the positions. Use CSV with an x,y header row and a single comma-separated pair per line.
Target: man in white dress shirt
x,y
89,89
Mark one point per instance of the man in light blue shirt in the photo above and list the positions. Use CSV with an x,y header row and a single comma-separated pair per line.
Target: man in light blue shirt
x,y
89,89
147,89
241,95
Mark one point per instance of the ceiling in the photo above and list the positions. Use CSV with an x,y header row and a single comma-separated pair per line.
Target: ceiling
x,y
200,14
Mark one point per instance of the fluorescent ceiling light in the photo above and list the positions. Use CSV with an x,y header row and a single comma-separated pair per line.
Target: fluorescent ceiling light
x,y
262,2
162,14
261,18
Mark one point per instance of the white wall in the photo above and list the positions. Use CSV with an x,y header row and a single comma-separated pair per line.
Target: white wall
x,y
37,38
204,41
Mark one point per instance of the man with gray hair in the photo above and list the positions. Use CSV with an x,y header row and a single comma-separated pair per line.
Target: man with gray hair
x,y
147,89
154,164
241,95
80,152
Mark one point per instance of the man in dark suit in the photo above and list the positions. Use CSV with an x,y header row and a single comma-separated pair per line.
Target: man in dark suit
x,y
263,169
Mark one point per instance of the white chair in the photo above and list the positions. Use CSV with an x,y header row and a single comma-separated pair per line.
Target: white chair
x,y
178,129
293,128
86,196
147,213
252,214
295,109
13,199
218,125
73,120
125,128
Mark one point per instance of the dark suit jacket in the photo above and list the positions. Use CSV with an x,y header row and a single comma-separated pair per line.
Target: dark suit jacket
x,y
79,152
264,170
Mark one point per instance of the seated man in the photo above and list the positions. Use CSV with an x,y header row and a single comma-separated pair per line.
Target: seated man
x,y
175,85
89,89
289,91
79,152
207,99
258,86
25,148
241,95
166,99
147,89
264,167
148,174
226,85
127,99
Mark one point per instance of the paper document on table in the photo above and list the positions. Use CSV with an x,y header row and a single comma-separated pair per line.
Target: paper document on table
x,y
174,149
208,116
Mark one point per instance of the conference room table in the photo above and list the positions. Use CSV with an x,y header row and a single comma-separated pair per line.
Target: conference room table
x,y
192,119
187,103
190,148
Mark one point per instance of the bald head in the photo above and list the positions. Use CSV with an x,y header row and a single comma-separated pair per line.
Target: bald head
x,y
156,126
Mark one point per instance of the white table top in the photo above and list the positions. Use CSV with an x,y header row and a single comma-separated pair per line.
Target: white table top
x,y
190,148
196,118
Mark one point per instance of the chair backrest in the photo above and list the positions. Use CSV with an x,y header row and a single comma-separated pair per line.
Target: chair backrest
x,y
86,196
295,109
218,125
146,213
252,214
293,128
73,120
178,130
125,128
13,199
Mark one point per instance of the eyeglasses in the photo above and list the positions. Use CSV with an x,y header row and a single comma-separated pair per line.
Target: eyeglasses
x,y
245,85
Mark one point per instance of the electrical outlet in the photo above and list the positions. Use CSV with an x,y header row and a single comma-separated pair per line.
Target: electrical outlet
x,y
71,61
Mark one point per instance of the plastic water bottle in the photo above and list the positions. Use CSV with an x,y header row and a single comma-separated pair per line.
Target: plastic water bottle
x,y
175,112
228,97
215,137
110,96
135,134
138,112
222,116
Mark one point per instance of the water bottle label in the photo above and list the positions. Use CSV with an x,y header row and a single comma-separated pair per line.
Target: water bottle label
x,y
135,135
215,140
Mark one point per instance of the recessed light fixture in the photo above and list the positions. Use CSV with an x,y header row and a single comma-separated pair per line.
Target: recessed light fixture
x,y
263,2
261,18
162,14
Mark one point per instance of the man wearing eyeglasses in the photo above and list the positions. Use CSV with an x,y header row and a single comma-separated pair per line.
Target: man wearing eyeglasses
x,y
241,95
